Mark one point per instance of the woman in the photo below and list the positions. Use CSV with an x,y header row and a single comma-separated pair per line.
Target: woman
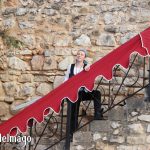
x,y
95,95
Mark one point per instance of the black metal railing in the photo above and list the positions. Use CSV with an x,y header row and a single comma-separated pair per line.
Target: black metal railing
x,y
125,83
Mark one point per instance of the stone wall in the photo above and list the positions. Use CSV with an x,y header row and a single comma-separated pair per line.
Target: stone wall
x,y
127,128
38,39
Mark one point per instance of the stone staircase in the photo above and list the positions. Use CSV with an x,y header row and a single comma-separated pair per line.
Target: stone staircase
x,y
127,128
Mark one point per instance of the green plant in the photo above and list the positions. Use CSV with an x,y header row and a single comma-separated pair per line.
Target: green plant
x,y
10,41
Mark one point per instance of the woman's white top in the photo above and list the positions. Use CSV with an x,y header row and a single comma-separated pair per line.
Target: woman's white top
x,y
75,71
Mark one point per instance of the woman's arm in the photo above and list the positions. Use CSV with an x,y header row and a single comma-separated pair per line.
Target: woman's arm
x,y
87,67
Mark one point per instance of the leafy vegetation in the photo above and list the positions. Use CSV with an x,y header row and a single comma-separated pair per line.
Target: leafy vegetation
x,y
10,41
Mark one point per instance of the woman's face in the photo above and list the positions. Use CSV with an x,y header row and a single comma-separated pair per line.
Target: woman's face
x,y
80,56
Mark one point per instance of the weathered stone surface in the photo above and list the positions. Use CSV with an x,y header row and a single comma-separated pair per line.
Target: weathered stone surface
x,y
9,11
134,113
83,40
9,23
18,64
25,25
51,78
136,140
26,78
148,139
2,92
135,104
50,63
116,132
25,2
96,136
126,37
13,106
106,40
39,78
59,41
115,125
58,80
136,128
77,137
63,51
144,118
27,89
100,126
21,11
3,63
25,52
65,63
116,114
104,146
29,40
109,18
37,62
49,52
117,139
9,99
49,12
4,109
148,128
132,147
111,28
43,89
10,88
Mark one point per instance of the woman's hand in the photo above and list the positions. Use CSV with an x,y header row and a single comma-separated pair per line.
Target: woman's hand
x,y
87,68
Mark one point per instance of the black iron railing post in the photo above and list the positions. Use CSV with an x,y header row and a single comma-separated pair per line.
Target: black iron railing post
x,y
62,120
148,71
68,127
147,99
30,135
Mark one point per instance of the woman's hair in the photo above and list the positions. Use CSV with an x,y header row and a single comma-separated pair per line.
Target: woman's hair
x,y
84,50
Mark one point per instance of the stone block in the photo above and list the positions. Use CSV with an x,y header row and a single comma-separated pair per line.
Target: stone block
x,y
136,140
58,80
104,146
25,78
117,139
100,126
148,128
50,63
37,62
10,88
18,64
65,63
106,40
26,89
115,125
144,118
62,41
82,137
43,89
9,99
4,109
135,104
117,114
136,128
148,139
2,92
83,40
21,11
116,132
97,136
132,147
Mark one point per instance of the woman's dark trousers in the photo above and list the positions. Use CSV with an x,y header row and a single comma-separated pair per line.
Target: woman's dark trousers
x,y
95,95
